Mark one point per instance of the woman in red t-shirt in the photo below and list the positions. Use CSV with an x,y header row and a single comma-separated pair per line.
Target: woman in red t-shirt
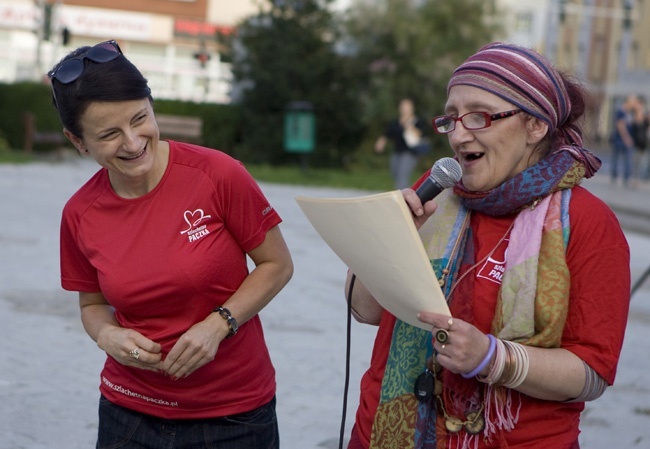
x,y
156,244
535,270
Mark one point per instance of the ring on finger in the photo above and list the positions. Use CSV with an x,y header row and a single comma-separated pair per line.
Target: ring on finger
x,y
442,336
450,322
442,348
135,353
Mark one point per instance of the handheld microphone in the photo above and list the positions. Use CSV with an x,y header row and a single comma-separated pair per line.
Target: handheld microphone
x,y
445,173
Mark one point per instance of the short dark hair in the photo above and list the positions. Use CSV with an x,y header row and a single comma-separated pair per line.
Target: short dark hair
x,y
116,80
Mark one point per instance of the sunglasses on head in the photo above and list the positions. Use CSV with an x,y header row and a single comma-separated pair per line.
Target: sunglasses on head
x,y
71,69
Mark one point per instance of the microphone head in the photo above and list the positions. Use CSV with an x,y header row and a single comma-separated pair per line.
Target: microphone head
x,y
446,172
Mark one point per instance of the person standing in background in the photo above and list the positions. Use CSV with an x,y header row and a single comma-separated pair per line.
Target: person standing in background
x,y
640,136
408,136
622,141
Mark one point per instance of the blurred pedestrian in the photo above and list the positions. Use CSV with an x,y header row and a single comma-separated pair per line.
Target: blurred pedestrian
x,y
408,135
622,141
156,244
640,128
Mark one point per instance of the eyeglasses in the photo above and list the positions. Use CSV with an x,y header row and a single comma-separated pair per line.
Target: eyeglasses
x,y
444,124
72,68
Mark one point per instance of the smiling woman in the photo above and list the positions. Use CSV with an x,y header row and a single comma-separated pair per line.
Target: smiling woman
x,y
156,244
123,137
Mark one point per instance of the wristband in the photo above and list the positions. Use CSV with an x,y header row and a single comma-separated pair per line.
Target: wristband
x,y
485,361
232,322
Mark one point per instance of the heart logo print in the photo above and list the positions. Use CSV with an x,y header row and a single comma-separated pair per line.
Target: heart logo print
x,y
193,219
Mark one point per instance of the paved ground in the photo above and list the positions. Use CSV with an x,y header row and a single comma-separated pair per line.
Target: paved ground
x,y
49,368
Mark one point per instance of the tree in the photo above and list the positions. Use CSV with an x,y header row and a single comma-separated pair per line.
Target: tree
x,y
286,53
409,48
352,70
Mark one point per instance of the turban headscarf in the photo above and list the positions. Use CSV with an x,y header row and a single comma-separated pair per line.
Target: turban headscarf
x,y
524,78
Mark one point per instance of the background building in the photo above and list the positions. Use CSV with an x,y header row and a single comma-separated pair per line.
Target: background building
x,y
605,43
174,42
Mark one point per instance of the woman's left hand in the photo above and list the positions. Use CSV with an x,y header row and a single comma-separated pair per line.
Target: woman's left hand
x,y
466,345
195,348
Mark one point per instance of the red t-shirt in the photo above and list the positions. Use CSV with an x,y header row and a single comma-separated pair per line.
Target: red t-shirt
x,y
598,260
164,261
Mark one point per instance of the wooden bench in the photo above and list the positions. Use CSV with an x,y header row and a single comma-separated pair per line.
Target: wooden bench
x,y
33,136
180,127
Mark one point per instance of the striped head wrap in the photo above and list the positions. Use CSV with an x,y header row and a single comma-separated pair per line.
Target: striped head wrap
x,y
524,78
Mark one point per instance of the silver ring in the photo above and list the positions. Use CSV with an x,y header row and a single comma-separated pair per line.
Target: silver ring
x,y
442,348
442,336
135,353
450,322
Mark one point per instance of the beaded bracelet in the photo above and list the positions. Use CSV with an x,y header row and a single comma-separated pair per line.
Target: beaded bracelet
x,y
232,322
486,359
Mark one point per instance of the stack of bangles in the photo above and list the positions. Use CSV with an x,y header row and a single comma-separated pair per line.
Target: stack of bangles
x,y
508,367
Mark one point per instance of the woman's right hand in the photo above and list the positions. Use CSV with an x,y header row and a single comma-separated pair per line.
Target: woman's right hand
x,y
421,212
98,318
130,347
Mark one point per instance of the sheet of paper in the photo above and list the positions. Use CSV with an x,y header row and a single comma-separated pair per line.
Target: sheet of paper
x,y
376,238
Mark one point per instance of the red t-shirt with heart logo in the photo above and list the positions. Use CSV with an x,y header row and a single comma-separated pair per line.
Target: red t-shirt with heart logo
x,y
164,261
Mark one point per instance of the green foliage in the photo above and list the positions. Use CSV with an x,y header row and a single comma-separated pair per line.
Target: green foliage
x,y
222,126
407,48
8,156
354,71
287,54
19,98
4,144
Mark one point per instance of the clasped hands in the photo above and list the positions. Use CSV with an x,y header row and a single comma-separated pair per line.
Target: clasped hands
x,y
195,348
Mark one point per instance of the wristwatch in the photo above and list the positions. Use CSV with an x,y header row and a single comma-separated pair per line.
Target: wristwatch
x,y
232,322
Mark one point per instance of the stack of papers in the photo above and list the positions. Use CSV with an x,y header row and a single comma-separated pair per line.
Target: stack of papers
x,y
376,238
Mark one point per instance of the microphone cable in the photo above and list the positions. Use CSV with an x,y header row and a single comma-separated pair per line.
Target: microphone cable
x,y
347,360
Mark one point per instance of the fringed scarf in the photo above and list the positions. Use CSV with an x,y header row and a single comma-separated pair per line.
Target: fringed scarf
x,y
531,309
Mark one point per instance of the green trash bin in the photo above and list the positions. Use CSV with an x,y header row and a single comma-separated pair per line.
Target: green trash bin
x,y
299,127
